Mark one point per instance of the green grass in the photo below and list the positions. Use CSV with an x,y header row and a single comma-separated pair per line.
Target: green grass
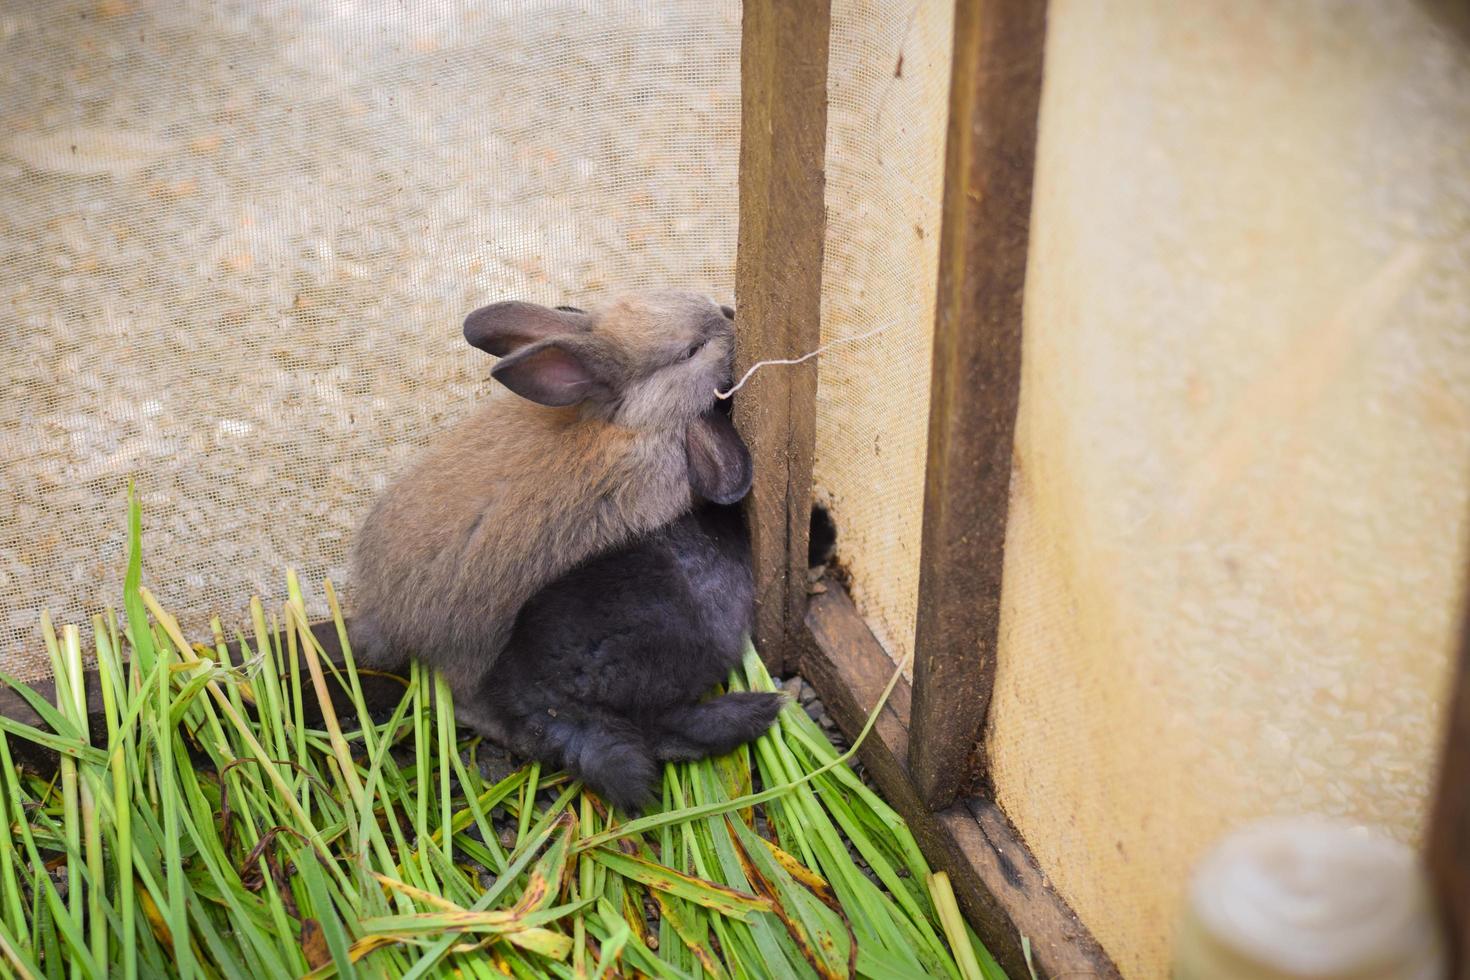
x,y
210,830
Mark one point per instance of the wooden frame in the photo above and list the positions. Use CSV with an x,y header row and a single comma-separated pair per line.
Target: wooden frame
x,y
1001,888
784,64
1449,824
995,97
988,171
778,292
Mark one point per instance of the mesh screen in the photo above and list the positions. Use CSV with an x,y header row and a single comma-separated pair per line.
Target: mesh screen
x,y
238,239
889,106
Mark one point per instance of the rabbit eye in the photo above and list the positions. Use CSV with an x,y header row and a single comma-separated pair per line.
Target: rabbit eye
x,y
694,349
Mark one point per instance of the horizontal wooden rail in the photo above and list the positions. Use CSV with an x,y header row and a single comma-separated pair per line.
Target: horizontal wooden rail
x,y
1001,888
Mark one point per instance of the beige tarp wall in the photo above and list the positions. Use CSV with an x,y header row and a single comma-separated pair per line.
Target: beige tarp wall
x,y
889,105
1238,522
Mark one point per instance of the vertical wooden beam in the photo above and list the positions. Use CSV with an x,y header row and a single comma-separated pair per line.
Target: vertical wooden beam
x,y
1449,823
995,96
778,292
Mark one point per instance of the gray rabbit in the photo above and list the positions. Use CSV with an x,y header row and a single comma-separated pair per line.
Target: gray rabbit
x,y
615,435
605,667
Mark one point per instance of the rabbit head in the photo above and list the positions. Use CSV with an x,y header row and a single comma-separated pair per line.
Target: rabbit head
x,y
648,361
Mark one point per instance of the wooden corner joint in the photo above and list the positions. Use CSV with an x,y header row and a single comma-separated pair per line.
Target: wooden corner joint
x,y
1001,887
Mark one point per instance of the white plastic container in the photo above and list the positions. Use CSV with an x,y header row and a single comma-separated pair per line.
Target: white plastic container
x,y
1286,899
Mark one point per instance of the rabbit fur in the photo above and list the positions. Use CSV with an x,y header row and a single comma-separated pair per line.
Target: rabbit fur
x,y
605,666
614,434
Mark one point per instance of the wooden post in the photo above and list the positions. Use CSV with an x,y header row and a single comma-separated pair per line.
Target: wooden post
x,y
1449,826
995,94
778,292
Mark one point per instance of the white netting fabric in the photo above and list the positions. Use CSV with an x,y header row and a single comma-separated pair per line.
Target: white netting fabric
x,y
238,239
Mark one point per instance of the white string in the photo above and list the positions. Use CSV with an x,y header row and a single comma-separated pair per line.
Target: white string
x,y
722,395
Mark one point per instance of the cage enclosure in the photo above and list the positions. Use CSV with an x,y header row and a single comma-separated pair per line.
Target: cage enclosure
x,y
1152,455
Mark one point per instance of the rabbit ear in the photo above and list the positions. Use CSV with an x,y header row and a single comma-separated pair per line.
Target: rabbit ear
x,y
556,372
720,469
504,328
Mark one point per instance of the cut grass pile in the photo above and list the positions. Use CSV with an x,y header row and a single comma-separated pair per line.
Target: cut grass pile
x,y
213,828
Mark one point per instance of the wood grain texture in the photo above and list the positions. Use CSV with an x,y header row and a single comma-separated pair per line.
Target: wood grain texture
x,y
995,97
778,292
1449,826
999,885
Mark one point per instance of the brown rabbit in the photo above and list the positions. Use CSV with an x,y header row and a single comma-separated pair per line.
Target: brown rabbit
x,y
615,434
